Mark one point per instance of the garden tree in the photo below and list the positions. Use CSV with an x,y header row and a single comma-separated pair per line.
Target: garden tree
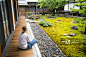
x,y
52,4
82,10
55,4
42,4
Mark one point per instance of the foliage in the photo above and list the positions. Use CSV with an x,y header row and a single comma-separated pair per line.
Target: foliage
x,y
29,13
38,16
32,18
81,11
45,23
52,4
64,26
83,4
42,4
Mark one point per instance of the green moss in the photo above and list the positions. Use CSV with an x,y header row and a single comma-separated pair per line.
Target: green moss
x,y
64,26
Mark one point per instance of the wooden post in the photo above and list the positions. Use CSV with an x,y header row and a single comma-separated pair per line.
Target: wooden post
x,y
0,51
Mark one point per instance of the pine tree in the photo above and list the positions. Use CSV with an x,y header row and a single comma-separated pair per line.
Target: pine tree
x,y
82,10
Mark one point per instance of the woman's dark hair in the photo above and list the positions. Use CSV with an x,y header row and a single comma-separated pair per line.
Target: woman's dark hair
x,y
24,29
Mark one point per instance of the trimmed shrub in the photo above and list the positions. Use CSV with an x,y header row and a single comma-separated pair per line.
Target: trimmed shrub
x,y
45,23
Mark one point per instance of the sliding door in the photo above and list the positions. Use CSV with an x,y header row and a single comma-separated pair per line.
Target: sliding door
x,y
5,20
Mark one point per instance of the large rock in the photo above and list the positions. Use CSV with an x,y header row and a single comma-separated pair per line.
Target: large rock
x,y
74,27
72,34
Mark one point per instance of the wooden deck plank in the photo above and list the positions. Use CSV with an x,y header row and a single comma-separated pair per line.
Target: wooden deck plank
x,y
21,55
14,50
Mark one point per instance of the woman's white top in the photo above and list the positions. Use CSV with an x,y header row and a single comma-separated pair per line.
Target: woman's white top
x,y
23,39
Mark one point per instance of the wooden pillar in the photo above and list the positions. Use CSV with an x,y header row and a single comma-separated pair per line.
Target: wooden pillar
x,y
0,51
36,7
13,17
16,9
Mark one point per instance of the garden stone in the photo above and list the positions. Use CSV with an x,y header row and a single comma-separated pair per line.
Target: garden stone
x,y
66,15
68,36
74,27
59,20
79,22
56,21
73,22
65,56
61,15
50,17
72,34
57,50
65,34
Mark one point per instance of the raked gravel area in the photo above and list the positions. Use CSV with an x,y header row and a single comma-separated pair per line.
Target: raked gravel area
x,y
46,46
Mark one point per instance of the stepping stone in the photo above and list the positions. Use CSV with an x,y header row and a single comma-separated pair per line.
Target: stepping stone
x,y
72,34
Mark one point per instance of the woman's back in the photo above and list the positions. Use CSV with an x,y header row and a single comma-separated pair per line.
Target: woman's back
x,y
23,38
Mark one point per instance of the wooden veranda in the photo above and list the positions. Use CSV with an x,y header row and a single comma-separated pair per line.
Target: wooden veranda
x,y
14,50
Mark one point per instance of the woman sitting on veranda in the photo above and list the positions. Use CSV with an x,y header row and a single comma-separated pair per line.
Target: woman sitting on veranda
x,y
24,40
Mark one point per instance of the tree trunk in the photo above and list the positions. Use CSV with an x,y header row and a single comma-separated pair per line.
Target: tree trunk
x,y
53,12
43,11
85,30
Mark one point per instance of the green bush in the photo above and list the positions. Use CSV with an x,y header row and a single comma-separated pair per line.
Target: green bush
x,y
37,16
50,25
41,23
77,20
29,13
45,23
32,18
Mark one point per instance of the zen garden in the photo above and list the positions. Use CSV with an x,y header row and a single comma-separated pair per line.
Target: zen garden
x,y
66,31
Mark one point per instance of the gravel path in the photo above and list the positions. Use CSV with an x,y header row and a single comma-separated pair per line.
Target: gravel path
x,y
46,46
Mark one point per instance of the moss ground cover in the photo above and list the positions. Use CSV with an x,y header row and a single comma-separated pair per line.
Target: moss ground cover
x,y
74,46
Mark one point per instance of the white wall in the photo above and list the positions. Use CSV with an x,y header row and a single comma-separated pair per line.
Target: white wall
x,y
70,5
